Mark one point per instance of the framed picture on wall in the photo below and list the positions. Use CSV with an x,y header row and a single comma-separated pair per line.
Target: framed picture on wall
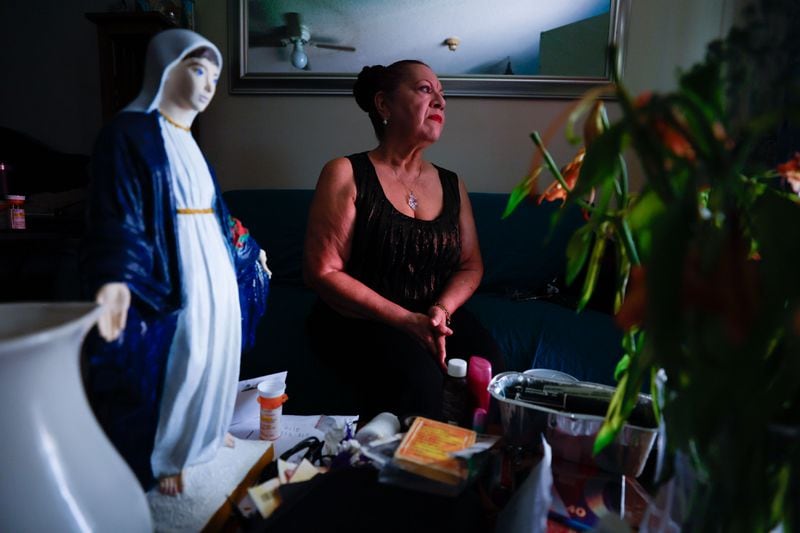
x,y
509,48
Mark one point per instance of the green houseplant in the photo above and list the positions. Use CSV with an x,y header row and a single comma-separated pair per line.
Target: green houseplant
x,y
707,262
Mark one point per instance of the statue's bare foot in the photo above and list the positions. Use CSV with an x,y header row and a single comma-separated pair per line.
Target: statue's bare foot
x,y
171,485
229,441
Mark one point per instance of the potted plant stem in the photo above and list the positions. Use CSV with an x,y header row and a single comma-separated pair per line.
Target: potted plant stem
x,y
707,262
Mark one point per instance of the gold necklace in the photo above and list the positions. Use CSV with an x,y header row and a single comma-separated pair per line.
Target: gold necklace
x,y
173,122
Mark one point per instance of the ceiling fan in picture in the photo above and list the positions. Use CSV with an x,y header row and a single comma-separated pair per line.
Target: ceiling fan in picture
x,y
298,36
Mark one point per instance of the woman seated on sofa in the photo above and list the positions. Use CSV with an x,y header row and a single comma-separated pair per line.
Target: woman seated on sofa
x,y
392,252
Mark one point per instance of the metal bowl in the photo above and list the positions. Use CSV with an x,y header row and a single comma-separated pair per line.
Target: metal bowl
x,y
569,413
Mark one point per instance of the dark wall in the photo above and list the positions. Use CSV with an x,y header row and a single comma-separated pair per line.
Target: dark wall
x,y
50,86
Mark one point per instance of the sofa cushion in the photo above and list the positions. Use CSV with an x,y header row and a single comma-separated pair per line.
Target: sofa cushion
x,y
521,253
540,334
282,344
525,251
277,220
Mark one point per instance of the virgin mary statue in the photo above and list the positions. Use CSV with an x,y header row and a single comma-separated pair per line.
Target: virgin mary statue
x,y
182,281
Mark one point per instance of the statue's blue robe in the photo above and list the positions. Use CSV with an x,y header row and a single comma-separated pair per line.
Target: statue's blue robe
x,y
131,237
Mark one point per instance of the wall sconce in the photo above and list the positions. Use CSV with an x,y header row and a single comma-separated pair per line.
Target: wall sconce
x,y
452,43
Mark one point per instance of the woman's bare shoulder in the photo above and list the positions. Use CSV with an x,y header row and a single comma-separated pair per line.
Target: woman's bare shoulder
x,y
337,178
338,167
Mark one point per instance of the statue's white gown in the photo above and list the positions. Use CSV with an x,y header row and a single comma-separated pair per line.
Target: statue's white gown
x,y
203,367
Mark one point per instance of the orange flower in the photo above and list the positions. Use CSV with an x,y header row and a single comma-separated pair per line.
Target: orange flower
x,y
674,141
643,99
790,172
555,191
671,138
632,311
722,136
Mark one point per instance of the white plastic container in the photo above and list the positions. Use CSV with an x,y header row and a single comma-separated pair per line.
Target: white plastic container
x,y
382,426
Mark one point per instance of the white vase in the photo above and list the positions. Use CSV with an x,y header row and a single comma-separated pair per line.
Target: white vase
x,y
59,471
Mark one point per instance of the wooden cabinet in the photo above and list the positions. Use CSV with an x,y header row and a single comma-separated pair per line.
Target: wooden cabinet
x,y
122,43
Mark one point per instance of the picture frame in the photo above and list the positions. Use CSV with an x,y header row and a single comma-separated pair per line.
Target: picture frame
x,y
251,75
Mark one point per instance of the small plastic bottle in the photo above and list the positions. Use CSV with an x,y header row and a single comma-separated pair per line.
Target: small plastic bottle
x,y
16,210
271,398
478,378
382,426
455,395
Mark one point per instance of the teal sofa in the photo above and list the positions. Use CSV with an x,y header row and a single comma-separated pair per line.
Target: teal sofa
x,y
520,300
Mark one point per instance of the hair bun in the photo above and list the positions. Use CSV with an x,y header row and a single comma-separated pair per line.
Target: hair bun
x,y
367,85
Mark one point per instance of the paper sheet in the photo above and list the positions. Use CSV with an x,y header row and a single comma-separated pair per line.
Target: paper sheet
x,y
294,428
527,508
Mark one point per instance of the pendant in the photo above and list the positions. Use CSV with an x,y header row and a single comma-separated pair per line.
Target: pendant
x,y
412,201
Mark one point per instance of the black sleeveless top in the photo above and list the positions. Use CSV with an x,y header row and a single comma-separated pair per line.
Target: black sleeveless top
x,y
405,260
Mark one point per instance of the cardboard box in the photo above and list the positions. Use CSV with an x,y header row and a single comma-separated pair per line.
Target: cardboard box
x,y
425,450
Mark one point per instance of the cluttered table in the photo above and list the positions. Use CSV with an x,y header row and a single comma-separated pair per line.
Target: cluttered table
x,y
289,495
322,474
511,491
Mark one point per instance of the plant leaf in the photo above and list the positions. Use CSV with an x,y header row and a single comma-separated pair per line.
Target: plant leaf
x,y
622,367
601,162
672,233
626,395
777,232
603,200
704,81
623,273
655,393
520,192
606,435
614,420
585,103
578,251
641,217
548,159
645,210
782,498
593,270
